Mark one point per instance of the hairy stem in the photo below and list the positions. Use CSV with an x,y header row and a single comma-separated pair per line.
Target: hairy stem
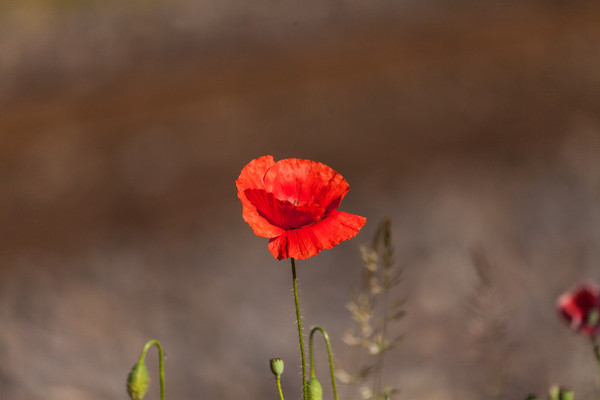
x,y
299,323
329,354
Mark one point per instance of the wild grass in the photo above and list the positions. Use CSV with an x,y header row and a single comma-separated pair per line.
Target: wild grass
x,y
375,308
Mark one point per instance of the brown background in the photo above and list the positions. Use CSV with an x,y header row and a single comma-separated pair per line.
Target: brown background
x,y
123,126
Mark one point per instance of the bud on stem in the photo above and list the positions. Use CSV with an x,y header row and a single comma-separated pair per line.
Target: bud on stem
x,y
315,391
559,393
277,366
137,381
277,369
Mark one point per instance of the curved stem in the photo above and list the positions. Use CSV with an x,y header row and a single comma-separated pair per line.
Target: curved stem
x,y
160,363
304,393
310,352
329,354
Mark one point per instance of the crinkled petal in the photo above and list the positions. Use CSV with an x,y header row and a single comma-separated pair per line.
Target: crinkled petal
x,y
308,241
283,213
306,182
251,177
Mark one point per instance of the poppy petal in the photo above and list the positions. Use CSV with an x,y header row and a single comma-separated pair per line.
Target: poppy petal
x,y
308,241
306,182
283,213
569,311
251,177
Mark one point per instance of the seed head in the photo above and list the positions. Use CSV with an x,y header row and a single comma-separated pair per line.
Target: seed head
x,y
277,366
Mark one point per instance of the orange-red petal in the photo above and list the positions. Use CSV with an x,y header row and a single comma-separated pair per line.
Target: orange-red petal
x,y
251,177
309,240
306,182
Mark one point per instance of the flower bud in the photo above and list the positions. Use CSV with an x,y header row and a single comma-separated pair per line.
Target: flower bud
x,y
566,394
137,381
277,366
559,393
315,391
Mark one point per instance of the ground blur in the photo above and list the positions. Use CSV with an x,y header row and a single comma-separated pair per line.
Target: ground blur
x,y
474,125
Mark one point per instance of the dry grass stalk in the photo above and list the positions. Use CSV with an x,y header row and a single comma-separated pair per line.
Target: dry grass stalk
x,y
488,328
373,310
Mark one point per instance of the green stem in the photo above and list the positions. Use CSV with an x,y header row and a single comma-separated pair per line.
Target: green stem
x,y
329,354
304,393
596,347
160,363
278,379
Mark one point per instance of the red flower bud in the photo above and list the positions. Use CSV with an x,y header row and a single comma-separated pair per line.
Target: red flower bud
x,y
581,309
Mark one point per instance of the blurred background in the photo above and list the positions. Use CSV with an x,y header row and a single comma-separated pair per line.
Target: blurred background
x,y
474,125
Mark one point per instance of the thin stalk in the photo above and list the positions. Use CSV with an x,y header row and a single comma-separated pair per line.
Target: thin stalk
x,y
304,391
329,354
379,369
596,347
384,235
278,380
160,363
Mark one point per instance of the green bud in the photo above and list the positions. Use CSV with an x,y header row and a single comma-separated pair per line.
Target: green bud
x,y
315,391
554,393
277,366
137,381
531,397
593,318
559,393
566,394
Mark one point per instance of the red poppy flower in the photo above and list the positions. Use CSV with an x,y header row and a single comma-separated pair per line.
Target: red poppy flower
x,y
293,202
581,309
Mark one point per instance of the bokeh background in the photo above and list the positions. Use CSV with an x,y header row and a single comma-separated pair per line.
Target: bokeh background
x,y
474,125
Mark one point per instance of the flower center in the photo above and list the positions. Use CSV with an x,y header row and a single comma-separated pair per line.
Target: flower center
x,y
285,214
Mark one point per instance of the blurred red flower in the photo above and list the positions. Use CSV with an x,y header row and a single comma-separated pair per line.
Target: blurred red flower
x,y
581,309
293,202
